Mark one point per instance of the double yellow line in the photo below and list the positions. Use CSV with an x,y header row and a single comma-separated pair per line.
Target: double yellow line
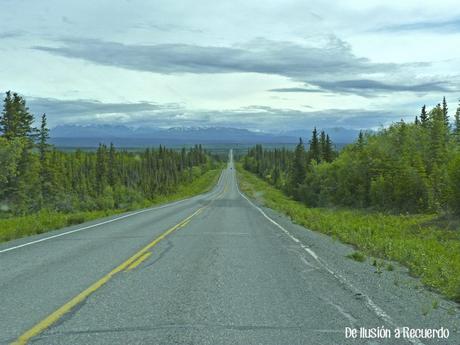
x,y
128,265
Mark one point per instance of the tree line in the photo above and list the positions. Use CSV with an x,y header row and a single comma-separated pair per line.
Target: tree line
x,y
407,167
35,175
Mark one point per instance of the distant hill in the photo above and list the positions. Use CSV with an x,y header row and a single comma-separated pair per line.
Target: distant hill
x,y
125,136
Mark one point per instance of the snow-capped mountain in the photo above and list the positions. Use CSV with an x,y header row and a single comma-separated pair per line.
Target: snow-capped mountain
x,y
121,135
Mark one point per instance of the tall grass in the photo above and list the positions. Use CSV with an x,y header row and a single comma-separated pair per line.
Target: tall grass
x,y
45,220
431,253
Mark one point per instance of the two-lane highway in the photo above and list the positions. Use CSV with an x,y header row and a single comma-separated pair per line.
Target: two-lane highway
x,y
215,269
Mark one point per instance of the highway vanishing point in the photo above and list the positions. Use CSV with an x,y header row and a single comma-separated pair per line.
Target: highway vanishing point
x,y
213,269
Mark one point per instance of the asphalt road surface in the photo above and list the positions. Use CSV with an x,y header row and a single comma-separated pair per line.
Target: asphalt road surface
x,y
213,269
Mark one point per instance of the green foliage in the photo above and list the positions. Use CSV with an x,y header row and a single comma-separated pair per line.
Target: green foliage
x,y
298,169
16,120
445,110
10,154
423,116
357,256
454,183
45,219
404,168
456,130
429,252
74,219
36,177
315,149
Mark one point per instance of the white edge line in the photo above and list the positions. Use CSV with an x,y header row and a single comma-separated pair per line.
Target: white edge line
x,y
369,302
106,222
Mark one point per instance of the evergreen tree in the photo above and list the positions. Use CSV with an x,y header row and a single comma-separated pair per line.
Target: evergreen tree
x,y
360,139
457,123
322,145
315,150
298,168
423,116
438,136
402,168
45,169
43,136
101,169
16,120
7,119
326,149
112,178
445,113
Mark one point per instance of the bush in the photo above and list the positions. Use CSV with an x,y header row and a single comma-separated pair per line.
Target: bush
x,y
431,253
75,219
357,256
454,185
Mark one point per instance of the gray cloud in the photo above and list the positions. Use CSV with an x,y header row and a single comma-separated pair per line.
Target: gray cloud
x,y
167,115
297,89
367,87
322,68
11,34
84,106
87,111
286,119
450,25
259,56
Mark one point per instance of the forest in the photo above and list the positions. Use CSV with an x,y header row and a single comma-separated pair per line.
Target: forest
x,y
35,176
404,168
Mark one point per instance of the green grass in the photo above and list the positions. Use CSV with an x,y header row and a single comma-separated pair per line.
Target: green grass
x,y
357,256
431,253
46,220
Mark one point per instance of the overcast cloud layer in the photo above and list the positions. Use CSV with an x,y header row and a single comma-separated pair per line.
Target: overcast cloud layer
x,y
274,66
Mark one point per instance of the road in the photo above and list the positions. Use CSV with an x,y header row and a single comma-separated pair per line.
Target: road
x,y
213,269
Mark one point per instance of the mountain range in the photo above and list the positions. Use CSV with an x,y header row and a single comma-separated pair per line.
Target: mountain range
x,y
125,136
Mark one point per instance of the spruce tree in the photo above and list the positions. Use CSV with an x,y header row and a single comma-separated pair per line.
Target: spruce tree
x,y
8,117
298,168
101,169
43,136
457,123
360,139
16,120
314,146
438,135
423,116
445,112
329,154
45,169
112,166
322,145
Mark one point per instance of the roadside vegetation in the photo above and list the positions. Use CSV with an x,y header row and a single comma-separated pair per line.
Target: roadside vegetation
x,y
393,194
430,252
43,188
20,226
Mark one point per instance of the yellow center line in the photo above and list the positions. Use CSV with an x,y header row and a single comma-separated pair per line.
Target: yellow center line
x,y
185,224
60,312
129,264
138,261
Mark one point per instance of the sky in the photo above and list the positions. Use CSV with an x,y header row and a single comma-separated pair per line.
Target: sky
x,y
268,65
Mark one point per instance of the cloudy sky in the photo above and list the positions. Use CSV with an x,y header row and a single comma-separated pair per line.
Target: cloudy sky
x,y
263,65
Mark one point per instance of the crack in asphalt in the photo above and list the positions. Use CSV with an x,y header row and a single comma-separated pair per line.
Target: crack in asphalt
x,y
162,253
192,326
